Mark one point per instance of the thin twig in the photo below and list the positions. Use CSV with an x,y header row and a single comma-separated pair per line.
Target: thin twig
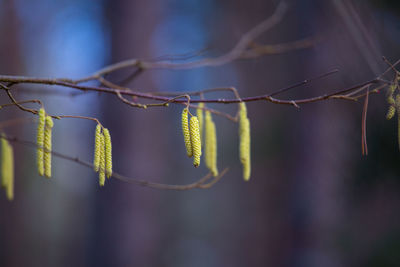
x,y
200,183
234,54
7,89
364,146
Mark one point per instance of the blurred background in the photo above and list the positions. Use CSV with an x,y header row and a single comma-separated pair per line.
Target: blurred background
x,y
313,199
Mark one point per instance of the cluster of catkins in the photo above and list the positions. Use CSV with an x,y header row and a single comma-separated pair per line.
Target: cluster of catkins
x,y
7,168
102,161
193,135
102,155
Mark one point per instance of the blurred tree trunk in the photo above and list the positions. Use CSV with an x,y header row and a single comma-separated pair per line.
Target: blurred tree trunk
x,y
130,236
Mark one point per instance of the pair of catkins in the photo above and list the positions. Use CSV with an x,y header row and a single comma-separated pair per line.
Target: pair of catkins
x,y
191,136
102,161
44,140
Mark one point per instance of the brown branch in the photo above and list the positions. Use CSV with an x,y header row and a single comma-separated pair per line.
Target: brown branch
x,y
7,89
130,103
20,103
268,97
234,54
256,49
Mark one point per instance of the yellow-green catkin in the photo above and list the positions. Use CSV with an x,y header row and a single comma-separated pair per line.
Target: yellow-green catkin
x,y
195,139
210,144
391,90
186,133
10,185
244,146
97,148
245,150
47,146
108,152
4,159
390,113
207,143
7,168
4,162
102,175
200,117
242,119
40,141
242,110
390,100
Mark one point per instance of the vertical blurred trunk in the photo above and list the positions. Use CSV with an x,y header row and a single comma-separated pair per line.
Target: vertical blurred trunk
x,y
320,156
130,236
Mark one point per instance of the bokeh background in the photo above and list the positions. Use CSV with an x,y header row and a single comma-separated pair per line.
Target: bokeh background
x,y
313,199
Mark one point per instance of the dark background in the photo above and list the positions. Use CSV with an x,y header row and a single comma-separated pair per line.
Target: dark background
x,y
313,199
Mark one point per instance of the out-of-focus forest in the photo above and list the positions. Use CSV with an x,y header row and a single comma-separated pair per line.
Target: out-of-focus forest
x,y
312,200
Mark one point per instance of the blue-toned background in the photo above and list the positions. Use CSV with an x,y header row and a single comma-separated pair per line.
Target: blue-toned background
x,y
313,199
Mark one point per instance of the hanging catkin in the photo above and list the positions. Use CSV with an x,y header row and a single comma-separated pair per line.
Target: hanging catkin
x,y
201,120
186,133
102,176
397,104
10,185
245,150
7,168
390,93
97,153
244,135
40,141
47,145
207,143
210,144
4,159
108,152
195,139
390,113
